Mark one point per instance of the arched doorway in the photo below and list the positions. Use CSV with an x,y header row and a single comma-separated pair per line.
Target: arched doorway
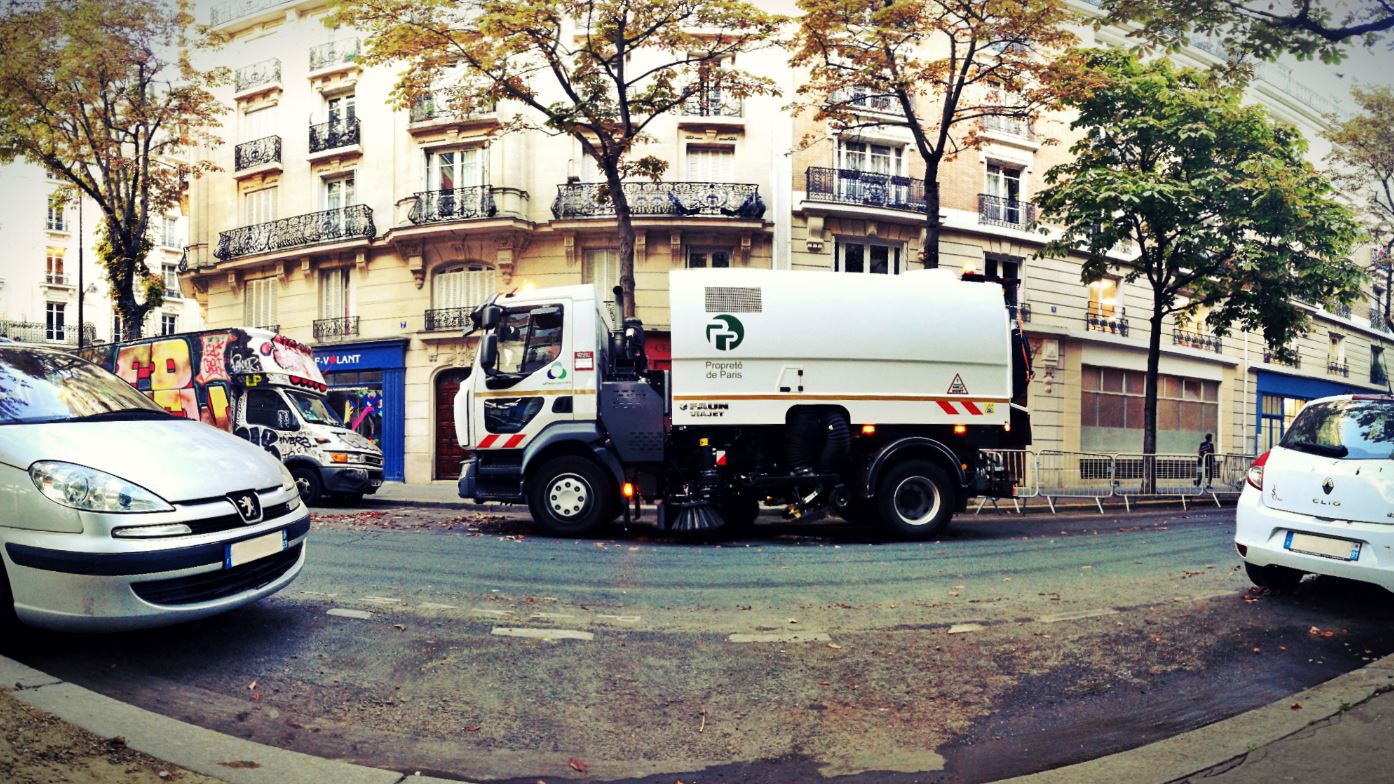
x,y
449,452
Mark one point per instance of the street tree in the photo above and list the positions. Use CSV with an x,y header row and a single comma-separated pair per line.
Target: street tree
x,y
1214,203
1362,164
102,94
599,71
937,68
1263,28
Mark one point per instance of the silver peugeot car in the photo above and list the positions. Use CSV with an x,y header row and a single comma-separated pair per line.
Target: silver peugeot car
x,y
115,514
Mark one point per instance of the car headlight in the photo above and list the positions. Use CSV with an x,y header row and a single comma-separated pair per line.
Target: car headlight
x,y
90,490
287,484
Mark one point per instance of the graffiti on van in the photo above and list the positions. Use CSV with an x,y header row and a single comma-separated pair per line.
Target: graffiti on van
x,y
164,369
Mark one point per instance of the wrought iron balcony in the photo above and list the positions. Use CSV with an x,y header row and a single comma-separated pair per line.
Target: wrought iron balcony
x,y
680,199
334,134
429,108
38,332
1009,213
453,204
336,328
57,279
173,293
1337,367
1196,339
300,231
333,53
258,74
1338,309
222,14
1113,325
859,99
712,103
448,319
257,152
869,189
1272,357
1009,126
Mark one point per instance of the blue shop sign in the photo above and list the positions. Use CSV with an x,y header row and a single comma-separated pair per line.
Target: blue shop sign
x,y
374,356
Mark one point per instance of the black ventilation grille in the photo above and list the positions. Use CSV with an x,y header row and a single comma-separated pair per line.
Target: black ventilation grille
x,y
733,299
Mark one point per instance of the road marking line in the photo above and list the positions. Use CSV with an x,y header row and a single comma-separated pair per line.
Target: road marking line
x,y
1076,616
782,637
963,628
435,606
499,613
381,600
620,618
340,612
541,634
320,594
550,616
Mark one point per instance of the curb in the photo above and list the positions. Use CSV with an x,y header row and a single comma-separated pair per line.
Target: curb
x,y
188,746
207,752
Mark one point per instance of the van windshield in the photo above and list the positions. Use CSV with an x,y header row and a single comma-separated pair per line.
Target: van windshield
x,y
1354,429
47,386
313,410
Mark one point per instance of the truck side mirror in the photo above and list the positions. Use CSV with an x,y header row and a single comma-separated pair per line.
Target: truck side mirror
x,y
489,316
489,352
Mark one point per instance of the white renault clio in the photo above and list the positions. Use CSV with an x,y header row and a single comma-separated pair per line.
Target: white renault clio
x,y
116,515
1322,501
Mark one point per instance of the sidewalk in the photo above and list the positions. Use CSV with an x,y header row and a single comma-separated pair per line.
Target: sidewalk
x,y
1340,727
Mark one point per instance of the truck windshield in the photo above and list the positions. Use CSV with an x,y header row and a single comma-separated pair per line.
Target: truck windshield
x,y
1353,429
529,339
45,386
313,409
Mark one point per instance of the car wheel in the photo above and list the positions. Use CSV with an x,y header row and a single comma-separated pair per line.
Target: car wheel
x,y
915,500
310,486
572,496
1278,579
9,622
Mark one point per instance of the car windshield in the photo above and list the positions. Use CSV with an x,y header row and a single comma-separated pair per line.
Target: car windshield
x,y
313,409
1354,429
48,386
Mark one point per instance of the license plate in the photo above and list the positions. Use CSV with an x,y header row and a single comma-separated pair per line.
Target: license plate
x,y
1325,546
250,550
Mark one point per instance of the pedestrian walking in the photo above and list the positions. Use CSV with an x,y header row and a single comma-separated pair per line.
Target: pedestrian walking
x,y
1204,458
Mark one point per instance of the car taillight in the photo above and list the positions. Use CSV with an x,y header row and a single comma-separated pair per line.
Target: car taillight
x,y
1255,477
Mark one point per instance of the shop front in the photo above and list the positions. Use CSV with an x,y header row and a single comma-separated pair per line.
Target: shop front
x,y
1281,396
367,390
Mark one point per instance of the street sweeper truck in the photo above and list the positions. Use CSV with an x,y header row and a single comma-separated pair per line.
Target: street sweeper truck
x,y
870,397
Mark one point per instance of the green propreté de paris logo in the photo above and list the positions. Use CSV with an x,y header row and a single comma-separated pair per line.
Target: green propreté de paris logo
x,y
725,332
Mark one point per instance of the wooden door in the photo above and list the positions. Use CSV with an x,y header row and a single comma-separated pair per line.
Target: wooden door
x,y
449,453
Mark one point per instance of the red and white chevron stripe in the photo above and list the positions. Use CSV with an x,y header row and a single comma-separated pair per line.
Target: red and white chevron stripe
x,y
953,407
493,441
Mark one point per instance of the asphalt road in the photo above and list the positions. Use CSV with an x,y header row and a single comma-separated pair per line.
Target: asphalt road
x,y
457,643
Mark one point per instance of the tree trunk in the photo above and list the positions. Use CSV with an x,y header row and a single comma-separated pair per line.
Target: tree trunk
x,y
1149,402
624,223
932,225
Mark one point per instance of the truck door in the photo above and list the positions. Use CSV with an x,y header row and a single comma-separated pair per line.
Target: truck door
x,y
533,382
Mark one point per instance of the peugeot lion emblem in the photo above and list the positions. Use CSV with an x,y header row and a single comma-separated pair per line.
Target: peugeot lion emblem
x,y
248,506
1328,486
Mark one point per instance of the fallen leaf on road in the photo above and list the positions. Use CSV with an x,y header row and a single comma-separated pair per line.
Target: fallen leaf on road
x,y
834,646
472,728
1258,650
825,683
578,766
1297,706
119,740
401,627
953,593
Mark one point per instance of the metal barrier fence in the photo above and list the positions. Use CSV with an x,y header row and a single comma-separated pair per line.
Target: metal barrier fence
x,y
1053,474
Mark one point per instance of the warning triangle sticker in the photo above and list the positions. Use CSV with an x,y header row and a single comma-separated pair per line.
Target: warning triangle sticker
x,y
958,387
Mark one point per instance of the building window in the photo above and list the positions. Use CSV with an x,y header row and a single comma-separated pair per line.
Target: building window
x,y
463,287
341,108
169,233
1379,372
1006,269
701,258
171,276
260,303
259,206
1004,181
116,332
258,124
53,267
57,218
334,293
1104,299
711,164
169,324
868,258
339,193
864,157
55,321
447,170
1336,355
1275,417
1111,402
600,267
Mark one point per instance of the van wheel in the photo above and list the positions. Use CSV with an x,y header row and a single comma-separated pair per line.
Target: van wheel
x,y
572,496
915,500
1278,579
310,486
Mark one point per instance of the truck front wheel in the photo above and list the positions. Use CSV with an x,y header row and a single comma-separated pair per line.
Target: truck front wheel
x,y
571,496
915,500
308,482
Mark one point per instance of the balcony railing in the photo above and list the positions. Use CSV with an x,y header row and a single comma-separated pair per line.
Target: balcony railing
x,y
1338,309
336,328
1272,357
258,74
333,53
269,327
1113,325
1009,126
443,319
731,199
429,107
37,332
1009,213
869,189
222,14
1337,367
57,279
297,232
173,293
712,103
334,134
257,152
453,204
858,99
1196,339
